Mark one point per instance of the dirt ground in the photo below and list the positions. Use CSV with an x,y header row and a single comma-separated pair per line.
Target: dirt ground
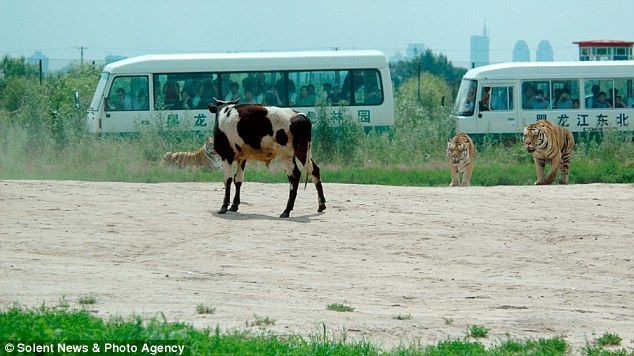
x,y
524,261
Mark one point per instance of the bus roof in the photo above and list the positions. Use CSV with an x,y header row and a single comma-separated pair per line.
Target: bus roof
x,y
555,70
248,61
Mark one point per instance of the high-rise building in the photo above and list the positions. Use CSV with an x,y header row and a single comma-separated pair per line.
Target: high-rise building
x,y
480,48
35,58
544,52
414,50
521,52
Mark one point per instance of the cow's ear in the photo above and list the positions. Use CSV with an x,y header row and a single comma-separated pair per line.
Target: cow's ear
x,y
218,102
212,108
233,102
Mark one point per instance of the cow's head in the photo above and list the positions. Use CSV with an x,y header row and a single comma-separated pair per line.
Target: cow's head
x,y
213,108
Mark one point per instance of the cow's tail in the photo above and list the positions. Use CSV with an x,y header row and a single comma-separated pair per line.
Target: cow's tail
x,y
308,167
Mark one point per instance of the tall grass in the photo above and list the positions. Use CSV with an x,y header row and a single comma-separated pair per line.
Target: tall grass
x,y
42,136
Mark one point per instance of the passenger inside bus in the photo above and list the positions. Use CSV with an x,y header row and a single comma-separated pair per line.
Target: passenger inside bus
x,y
538,102
304,99
601,102
619,103
124,102
171,94
208,94
563,102
484,104
594,97
140,101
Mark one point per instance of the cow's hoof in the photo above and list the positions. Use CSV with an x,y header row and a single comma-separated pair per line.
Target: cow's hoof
x,y
233,208
285,215
321,208
222,210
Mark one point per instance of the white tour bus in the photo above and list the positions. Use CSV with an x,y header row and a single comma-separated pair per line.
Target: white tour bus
x,y
587,96
174,90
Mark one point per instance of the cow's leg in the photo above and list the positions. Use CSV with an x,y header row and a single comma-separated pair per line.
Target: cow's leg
x,y
294,175
238,178
321,200
226,168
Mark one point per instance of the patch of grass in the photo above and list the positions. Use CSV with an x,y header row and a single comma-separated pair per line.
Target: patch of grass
x,y
448,321
402,316
609,339
478,331
87,300
338,307
60,323
204,309
261,321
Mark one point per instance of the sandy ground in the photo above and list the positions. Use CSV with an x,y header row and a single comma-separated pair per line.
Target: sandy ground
x,y
524,261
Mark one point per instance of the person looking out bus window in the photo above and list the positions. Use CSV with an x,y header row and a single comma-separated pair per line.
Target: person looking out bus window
x,y
271,98
485,98
564,101
208,94
528,93
304,99
538,102
601,102
124,103
171,94
248,98
619,103
234,92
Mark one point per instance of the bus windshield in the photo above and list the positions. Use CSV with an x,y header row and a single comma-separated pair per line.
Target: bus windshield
x,y
465,102
96,99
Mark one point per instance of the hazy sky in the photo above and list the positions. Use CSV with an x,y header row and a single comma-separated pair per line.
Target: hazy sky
x,y
135,27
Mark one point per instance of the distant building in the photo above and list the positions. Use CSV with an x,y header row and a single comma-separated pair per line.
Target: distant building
x,y
544,52
605,50
35,58
396,57
414,50
480,48
113,58
521,52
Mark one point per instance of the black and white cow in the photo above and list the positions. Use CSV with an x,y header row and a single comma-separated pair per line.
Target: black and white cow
x,y
256,132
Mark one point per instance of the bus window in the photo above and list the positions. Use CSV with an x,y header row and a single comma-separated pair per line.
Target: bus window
x,y
566,94
309,87
620,95
184,91
536,95
596,93
254,87
501,98
465,101
128,93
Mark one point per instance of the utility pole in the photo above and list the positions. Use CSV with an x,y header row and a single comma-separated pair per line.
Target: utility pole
x,y
81,50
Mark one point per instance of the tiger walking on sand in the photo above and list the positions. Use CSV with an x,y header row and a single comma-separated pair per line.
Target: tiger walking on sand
x,y
461,153
549,143
203,157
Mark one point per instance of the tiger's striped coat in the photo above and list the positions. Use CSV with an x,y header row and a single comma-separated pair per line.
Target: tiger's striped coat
x,y
549,143
203,157
461,153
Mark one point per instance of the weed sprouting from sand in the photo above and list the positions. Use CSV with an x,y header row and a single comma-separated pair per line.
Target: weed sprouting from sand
x,y
478,331
448,321
204,309
609,339
261,321
402,316
87,300
339,307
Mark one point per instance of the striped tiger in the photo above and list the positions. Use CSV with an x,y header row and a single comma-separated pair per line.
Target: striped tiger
x,y
461,153
203,157
549,143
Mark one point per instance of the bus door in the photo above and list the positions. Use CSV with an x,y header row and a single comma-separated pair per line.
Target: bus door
x,y
496,109
127,104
